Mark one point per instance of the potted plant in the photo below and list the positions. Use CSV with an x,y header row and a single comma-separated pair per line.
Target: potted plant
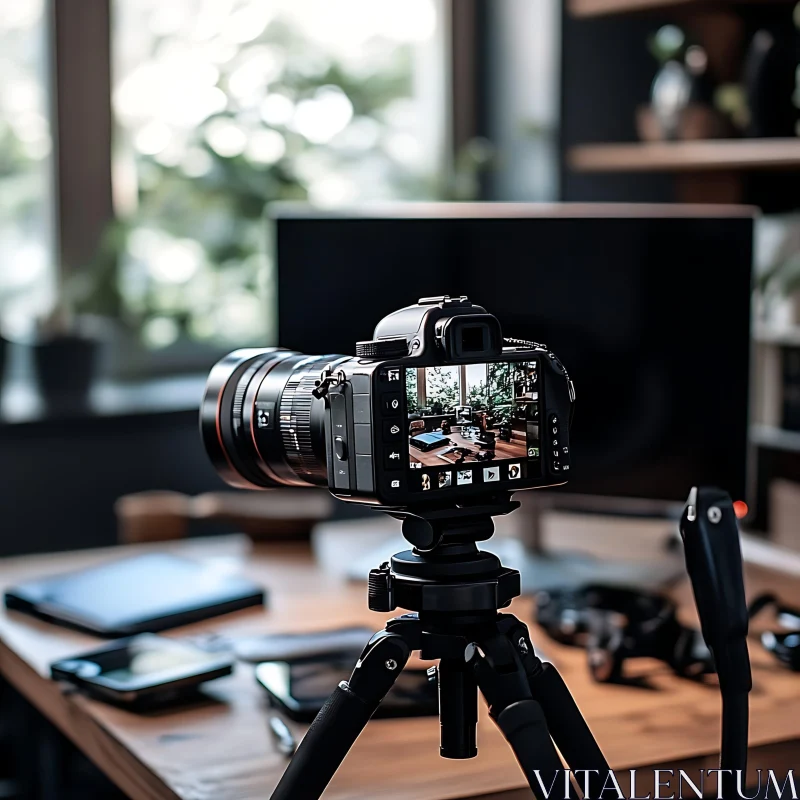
x,y
7,295
64,359
69,339
780,290
778,281
682,93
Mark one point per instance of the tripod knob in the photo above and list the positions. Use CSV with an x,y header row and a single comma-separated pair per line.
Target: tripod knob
x,y
381,589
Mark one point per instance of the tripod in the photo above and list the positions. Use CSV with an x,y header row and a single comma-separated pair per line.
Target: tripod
x,y
455,591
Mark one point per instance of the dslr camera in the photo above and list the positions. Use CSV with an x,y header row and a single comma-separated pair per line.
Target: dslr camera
x,y
436,409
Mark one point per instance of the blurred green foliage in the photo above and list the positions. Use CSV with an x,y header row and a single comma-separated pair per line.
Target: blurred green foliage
x,y
340,128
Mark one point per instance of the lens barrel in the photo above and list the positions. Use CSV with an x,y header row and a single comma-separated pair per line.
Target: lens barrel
x,y
260,424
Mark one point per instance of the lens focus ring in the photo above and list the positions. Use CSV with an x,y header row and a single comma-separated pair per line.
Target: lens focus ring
x,y
296,423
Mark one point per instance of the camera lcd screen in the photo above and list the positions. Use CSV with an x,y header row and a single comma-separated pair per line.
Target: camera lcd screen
x,y
472,424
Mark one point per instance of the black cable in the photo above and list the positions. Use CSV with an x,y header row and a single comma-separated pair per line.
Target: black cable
x,y
733,753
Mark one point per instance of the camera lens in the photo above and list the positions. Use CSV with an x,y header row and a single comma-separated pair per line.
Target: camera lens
x,y
260,424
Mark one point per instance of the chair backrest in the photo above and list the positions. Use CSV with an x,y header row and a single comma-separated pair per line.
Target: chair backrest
x,y
416,426
276,514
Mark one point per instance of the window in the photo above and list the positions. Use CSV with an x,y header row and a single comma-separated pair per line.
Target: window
x,y
523,113
26,264
222,106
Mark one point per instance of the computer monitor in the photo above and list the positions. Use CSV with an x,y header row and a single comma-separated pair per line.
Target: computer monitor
x,y
648,306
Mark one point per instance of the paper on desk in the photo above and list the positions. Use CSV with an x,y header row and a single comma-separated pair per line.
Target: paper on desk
x,y
352,548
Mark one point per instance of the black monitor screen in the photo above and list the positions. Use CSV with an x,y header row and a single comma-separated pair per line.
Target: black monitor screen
x,y
649,313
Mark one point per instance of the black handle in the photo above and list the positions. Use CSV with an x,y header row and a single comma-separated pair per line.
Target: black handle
x,y
714,563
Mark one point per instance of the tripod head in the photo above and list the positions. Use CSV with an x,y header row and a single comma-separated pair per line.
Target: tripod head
x,y
456,591
445,572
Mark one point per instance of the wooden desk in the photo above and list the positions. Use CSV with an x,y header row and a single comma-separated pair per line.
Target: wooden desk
x,y
223,750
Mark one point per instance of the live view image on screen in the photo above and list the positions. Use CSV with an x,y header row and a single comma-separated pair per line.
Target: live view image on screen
x,y
472,424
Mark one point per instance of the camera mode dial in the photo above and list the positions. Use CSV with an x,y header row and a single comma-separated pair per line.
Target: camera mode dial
x,y
391,347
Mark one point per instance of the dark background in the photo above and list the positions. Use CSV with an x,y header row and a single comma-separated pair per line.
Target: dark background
x,y
655,337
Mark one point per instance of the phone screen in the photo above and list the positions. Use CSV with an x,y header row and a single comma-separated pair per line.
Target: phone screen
x,y
302,687
144,660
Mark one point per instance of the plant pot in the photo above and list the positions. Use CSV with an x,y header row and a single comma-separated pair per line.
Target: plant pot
x,y
693,122
65,369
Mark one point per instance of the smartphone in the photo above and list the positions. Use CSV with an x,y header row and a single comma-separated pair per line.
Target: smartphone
x,y
142,670
300,688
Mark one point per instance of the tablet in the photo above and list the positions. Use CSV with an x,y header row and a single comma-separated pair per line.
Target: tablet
x,y
142,594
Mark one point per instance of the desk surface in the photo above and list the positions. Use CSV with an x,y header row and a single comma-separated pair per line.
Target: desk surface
x,y
222,749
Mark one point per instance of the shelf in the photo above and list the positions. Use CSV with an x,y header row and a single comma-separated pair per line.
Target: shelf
x,y
585,9
695,156
784,337
598,8
775,438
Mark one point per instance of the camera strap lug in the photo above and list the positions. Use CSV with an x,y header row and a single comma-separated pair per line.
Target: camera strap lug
x,y
327,380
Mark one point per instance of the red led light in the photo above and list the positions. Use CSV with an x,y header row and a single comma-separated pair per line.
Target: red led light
x,y
740,509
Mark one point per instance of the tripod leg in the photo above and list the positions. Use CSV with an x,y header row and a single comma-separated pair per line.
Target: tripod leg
x,y
503,682
458,709
342,718
564,719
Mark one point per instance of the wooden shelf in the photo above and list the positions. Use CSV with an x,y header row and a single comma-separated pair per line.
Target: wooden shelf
x,y
695,156
599,8
782,337
585,9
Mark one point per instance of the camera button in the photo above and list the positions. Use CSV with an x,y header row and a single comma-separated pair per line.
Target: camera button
x,y
392,403
361,411
392,431
390,374
392,458
340,448
364,479
394,484
363,439
360,384
554,419
341,475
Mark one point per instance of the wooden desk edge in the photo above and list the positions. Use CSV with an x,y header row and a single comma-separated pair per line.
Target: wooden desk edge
x,y
98,743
